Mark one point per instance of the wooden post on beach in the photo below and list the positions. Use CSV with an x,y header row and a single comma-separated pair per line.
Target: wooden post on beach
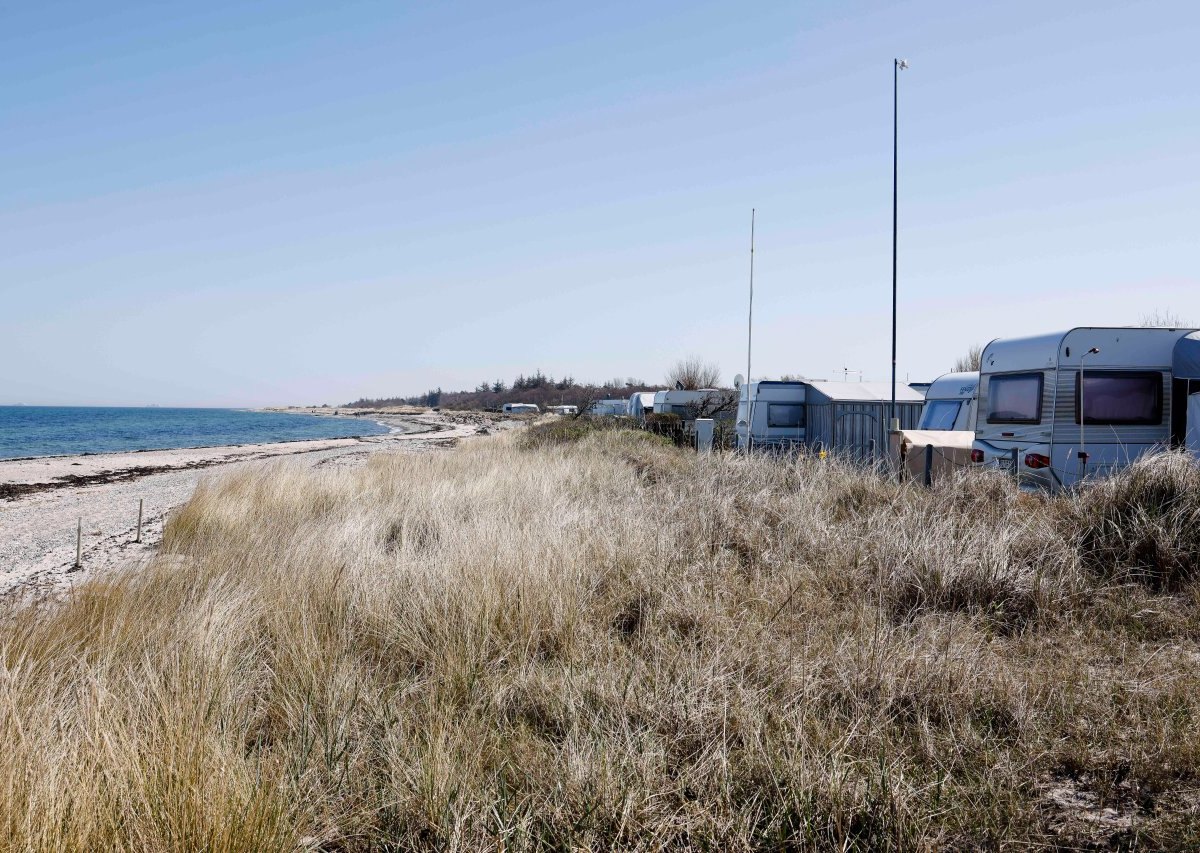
x,y
138,538
79,545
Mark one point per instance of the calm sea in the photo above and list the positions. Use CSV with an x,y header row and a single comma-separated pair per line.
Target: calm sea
x,y
69,430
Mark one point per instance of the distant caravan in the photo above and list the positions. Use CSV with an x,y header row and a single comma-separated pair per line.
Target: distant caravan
x,y
608,408
520,409
771,414
1086,402
945,432
689,405
641,403
563,410
950,402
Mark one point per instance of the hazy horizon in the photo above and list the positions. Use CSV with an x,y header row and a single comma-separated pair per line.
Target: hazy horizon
x,y
293,203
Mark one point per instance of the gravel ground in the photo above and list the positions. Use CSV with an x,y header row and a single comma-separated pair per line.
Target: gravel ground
x,y
37,530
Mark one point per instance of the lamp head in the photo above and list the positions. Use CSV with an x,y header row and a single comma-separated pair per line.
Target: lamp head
x,y
1093,351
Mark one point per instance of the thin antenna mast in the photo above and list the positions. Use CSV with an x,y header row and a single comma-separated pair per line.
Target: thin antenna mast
x,y
750,341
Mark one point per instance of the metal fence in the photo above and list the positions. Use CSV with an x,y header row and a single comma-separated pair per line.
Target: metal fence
x,y
858,429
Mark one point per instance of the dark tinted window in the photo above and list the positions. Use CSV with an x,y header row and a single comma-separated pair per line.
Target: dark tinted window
x,y
1119,397
785,415
940,414
1015,398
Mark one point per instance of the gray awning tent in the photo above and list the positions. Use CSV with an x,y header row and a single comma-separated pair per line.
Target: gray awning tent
x,y
1185,364
1186,360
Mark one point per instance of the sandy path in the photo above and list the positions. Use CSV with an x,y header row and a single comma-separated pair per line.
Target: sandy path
x,y
38,513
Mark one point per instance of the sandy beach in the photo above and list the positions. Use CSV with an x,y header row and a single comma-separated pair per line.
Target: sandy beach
x,y
43,499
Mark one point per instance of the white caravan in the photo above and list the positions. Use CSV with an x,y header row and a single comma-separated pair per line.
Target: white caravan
x,y
608,408
950,402
689,405
685,403
640,403
1086,401
520,409
563,410
770,414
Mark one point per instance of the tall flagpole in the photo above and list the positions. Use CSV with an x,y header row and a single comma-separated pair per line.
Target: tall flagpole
x,y
750,341
898,65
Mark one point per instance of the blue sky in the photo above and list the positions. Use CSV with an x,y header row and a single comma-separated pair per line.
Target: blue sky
x,y
293,202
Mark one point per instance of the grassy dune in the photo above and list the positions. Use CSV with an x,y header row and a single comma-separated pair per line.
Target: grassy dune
x,y
577,640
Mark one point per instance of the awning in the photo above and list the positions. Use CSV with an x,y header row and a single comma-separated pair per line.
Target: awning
x,y
1186,361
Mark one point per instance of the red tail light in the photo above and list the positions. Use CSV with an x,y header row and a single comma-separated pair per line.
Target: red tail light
x,y
1036,461
976,455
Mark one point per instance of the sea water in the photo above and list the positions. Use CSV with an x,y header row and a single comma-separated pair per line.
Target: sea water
x,y
71,430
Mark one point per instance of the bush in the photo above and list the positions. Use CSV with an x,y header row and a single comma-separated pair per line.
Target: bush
x,y
1142,525
693,373
569,430
561,430
669,426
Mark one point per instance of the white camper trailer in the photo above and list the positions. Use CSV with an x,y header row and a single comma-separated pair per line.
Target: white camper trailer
x,y
770,415
940,446
563,410
608,408
689,405
950,402
1086,402
520,409
640,403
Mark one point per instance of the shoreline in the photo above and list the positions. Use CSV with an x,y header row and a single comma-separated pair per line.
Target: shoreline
x,y
22,475
43,500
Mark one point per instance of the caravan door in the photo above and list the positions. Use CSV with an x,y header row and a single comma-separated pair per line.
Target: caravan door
x,y
1193,424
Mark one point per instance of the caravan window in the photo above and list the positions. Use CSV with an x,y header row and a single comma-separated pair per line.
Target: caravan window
x,y
787,415
1015,398
1119,397
940,414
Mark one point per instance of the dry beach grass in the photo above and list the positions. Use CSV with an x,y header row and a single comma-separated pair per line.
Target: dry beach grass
x,y
579,639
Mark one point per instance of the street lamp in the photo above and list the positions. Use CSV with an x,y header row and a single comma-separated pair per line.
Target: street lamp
x,y
1083,457
898,65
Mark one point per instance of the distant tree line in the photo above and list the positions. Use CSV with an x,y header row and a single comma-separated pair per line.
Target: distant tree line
x,y
689,373
536,387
